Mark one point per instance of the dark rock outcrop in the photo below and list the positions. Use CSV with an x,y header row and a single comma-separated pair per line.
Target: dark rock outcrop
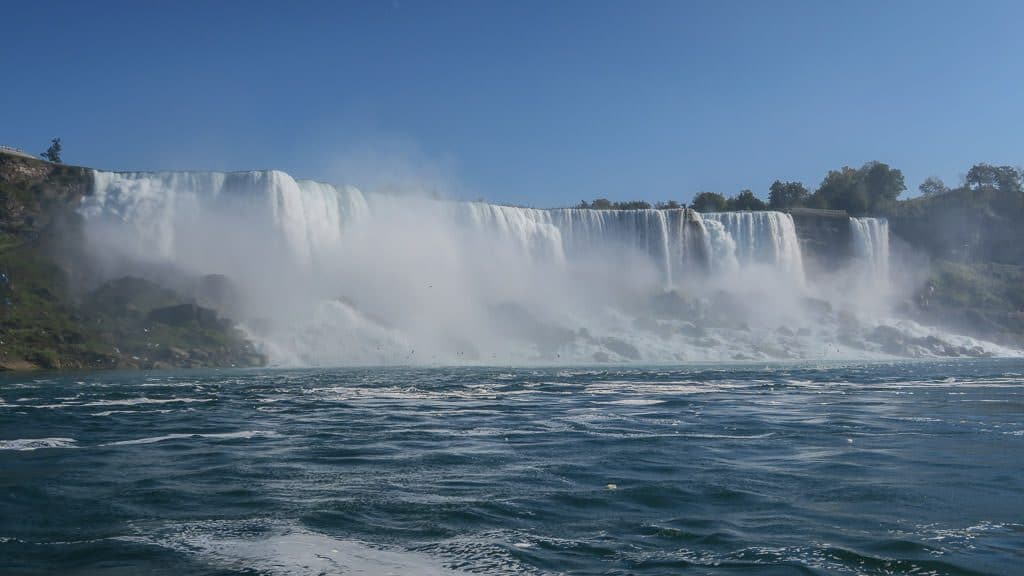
x,y
47,320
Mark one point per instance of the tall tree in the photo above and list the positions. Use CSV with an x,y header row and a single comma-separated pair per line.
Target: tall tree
x,y
746,200
708,202
871,188
53,152
783,195
883,184
933,186
842,189
632,205
1003,178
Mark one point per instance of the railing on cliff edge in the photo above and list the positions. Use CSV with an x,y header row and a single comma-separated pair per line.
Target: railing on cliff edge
x,y
16,151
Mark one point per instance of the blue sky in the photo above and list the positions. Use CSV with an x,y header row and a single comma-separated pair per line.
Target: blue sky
x,y
537,103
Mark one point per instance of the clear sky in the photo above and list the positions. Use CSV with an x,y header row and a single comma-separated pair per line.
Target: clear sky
x,y
532,102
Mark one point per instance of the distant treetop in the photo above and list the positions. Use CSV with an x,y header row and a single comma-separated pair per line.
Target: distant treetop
x,y
53,152
606,204
874,188
1002,178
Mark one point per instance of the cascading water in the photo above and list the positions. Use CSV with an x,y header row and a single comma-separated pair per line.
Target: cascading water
x,y
330,275
310,219
763,237
871,246
159,207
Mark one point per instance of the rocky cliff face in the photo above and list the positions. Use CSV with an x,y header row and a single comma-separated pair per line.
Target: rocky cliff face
x,y
33,193
49,322
824,238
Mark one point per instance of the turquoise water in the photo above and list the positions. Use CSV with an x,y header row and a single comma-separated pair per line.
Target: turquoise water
x,y
906,468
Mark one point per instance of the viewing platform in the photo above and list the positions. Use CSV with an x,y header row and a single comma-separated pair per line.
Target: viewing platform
x,y
16,152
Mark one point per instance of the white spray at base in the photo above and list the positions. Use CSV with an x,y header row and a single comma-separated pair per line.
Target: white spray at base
x,y
326,275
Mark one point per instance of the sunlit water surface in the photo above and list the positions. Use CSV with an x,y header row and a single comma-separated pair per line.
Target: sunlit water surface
x,y
906,468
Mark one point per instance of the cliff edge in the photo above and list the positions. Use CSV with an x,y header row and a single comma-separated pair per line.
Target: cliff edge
x,y
51,320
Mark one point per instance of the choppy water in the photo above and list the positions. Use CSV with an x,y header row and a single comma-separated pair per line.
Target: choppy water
x,y
913,468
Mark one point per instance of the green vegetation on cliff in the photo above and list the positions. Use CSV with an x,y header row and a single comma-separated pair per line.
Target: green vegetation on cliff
x,y
973,237
48,323
977,224
605,204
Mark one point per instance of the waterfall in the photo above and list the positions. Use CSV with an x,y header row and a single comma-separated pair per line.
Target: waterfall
x,y
871,246
763,238
330,274
161,207
531,229
308,220
675,240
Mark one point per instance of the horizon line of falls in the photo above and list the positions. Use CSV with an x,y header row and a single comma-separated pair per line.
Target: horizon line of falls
x,y
330,274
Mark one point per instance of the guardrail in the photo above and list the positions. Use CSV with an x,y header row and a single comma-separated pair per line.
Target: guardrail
x,y
15,151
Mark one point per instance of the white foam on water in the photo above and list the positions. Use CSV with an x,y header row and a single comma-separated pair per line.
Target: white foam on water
x,y
100,403
26,444
112,412
655,389
635,402
290,550
142,401
245,434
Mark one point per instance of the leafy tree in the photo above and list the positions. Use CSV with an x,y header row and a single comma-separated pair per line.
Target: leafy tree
x,y
783,195
670,205
933,186
1003,178
708,202
883,184
746,201
53,152
841,190
631,205
605,204
871,188
583,205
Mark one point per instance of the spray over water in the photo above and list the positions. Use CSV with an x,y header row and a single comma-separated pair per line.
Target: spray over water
x,y
327,275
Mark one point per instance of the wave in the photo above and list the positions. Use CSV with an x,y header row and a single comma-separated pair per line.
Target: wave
x,y
245,434
269,548
27,444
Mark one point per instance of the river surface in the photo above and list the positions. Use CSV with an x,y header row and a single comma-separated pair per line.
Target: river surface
x,y
883,468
